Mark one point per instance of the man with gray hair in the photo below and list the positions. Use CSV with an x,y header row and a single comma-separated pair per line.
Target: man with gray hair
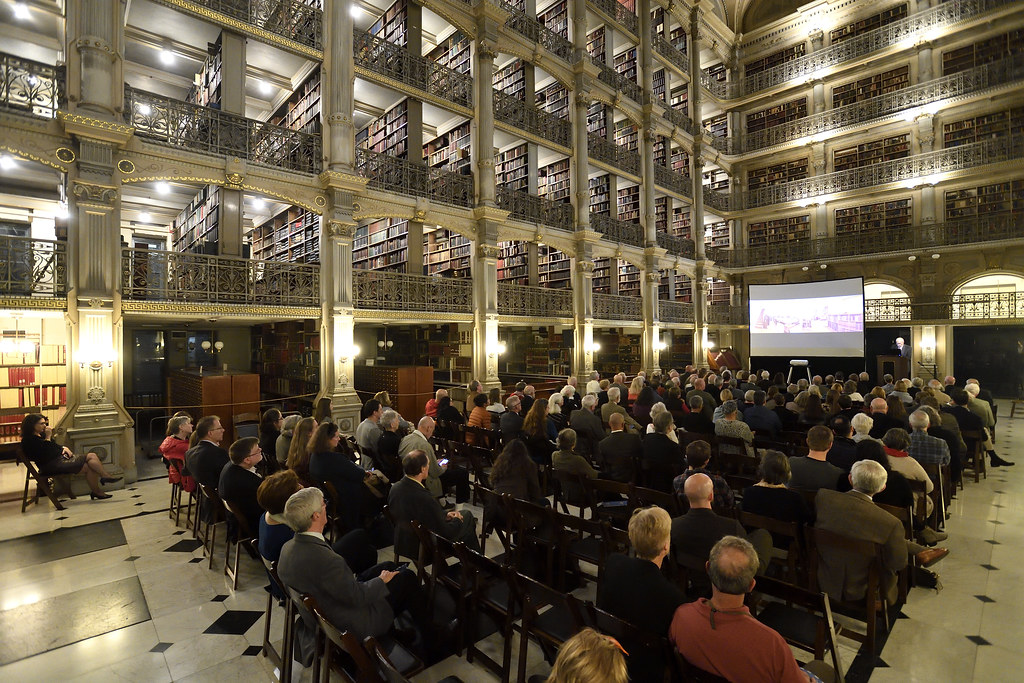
x,y
927,450
708,404
731,426
720,636
844,576
862,424
613,406
588,427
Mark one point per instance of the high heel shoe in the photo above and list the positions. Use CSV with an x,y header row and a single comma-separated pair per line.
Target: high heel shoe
x,y
110,480
100,496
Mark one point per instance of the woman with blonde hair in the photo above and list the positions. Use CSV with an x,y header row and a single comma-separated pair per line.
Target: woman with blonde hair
x,y
635,387
298,452
589,657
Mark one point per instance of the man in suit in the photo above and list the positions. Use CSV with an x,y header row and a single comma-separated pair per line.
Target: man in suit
x,y
206,459
883,423
588,426
663,451
511,422
440,476
527,398
619,450
635,590
239,481
844,576
708,404
984,411
410,500
843,452
365,605
613,407
943,398
696,420
901,349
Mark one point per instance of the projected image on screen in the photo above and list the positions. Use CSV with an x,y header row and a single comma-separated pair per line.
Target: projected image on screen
x,y
807,319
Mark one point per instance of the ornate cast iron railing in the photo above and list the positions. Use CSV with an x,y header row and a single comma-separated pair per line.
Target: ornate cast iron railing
x,y
614,307
607,151
375,290
537,32
906,31
533,209
992,306
386,172
970,81
534,301
675,311
918,166
618,82
717,200
681,120
991,228
515,112
291,19
180,277
726,314
678,246
623,232
32,267
618,12
675,56
180,124
394,61
29,87
670,180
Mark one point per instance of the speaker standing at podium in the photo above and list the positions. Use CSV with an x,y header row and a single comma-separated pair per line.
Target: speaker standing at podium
x,y
901,349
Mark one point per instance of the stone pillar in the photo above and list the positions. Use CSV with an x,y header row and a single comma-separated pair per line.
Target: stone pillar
x,y
819,218
336,85
583,310
483,142
232,90
414,246
925,62
485,302
581,175
650,339
532,264
817,38
95,420
697,209
818,102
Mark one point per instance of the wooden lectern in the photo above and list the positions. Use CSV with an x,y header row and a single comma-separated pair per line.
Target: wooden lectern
x,y
897,366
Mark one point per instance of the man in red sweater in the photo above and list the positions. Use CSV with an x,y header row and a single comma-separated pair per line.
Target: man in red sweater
x,y
720,635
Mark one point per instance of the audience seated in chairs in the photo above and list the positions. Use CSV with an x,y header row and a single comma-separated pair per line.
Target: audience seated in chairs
x,y
770,497
284,441
698,455
385,456
205,458
883,421
720,636
813,471
511,421
174,447
619,451
410,500
843,452
440,476
635,590
514,473
566,459
365,605
430,409
761,419
556,412
591,657
696,421
730,425
271,423
587,425
326,464
613,406
53,459
298,451
478,417
448,413
539,432
239,480
368,431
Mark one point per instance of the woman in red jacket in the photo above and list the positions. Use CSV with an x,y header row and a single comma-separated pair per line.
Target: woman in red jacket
x,y
173,448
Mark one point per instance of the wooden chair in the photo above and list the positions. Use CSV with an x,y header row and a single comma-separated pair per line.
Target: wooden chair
x,y
43,483
581,540
246,424
492,596
206,530
609,500
245,535
283,659
659,476
692,674
802,617
867,609
975,453
789,531
302,604
536,528
645,497
906,517
550,628
570,489
941,491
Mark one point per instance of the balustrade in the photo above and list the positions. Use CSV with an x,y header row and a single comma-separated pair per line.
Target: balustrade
x,y
623,232
33,267
670,180
394,61
619,13
180,124
726,314
535,31
534,301
717,200
671,53
533,209
990,306
33,88
615,307
618,82
186,278
604,150
375,290
291,19
515,112
681,120
677,246
386,172
675,311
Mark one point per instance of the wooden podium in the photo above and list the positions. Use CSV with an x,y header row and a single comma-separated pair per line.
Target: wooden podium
x,y
897,366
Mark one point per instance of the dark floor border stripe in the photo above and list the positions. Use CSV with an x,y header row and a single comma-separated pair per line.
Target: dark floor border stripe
x,y
59,544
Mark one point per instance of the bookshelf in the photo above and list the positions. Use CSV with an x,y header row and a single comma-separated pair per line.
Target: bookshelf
x,y
450,150
993,199
286,356
597,119
302,110
554,268
629,279
381,245
683,288
659,84
35,381
538,351
678,38
556,18
512,169
602,281
717,125
716,234
867,24
511,79
717,73
292,235
600,202
681,222
782,172
872,86
679,99
779,230
658,21
393,24
447,254
877,216
195,229
661,214
625,64
620,352
554,99
786,54
660,148
716,179
454,52
388,134
595,43
205,90
513,263
777,115
553,181
627,135
983,127
680,161
983,52
719,292
628,204
447,350
865,154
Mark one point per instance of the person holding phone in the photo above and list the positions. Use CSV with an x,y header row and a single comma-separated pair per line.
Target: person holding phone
x,y
53,459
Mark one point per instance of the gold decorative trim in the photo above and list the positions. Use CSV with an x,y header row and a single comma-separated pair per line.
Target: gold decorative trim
x,y
254,31
366,314
65,155
29,302
342,180
89,127
18,152
129,306
126,166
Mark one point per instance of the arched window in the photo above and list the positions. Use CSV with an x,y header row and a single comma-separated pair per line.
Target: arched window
x,y
989,296
884,302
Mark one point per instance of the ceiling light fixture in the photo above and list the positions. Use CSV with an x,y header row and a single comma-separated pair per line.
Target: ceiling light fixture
x,y
163,188
7,162
266,88
145,217
166,56
21,11
259,203
354,10
911,258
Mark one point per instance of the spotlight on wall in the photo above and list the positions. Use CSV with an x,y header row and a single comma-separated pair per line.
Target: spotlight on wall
x,y
911,258
823,266
936,256
265,88
592,347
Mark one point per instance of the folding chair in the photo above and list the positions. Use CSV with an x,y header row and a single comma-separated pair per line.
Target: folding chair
x,y
581,540
282,659
535,528
550,628
609,500
206,530
491,595
246,424
975,453
496,518
570,489
649,654
645,497
42,483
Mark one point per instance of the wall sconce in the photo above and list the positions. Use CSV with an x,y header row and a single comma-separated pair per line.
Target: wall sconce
x,y
215,347
497,349
592,347
350,353
96,359
382,344
659,345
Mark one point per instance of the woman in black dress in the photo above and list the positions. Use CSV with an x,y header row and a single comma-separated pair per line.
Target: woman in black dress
x,y
53,459
270,428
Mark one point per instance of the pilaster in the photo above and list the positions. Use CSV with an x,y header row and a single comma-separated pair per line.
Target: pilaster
x,y
583,307
486,349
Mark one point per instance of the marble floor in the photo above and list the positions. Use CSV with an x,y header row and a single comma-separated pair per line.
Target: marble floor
x,y
113,590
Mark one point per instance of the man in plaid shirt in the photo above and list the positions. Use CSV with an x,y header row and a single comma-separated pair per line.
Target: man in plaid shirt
x,y
924,448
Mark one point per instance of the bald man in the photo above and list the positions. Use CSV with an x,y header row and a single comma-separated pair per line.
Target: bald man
x,y
883,422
